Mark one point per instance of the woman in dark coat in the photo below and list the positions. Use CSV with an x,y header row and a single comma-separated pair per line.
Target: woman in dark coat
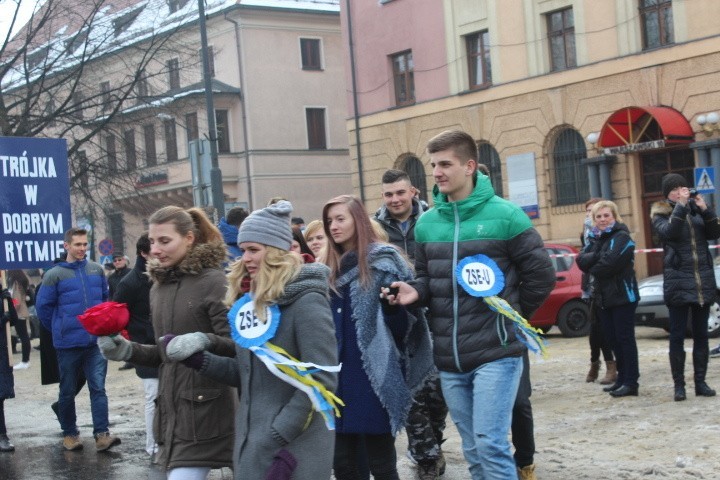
x,y
684,225
609,257
7,390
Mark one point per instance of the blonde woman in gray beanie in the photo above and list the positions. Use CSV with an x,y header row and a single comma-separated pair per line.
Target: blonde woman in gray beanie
x,y
281,322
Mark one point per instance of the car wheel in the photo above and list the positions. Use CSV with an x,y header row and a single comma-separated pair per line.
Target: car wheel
x,y
573,319
714,321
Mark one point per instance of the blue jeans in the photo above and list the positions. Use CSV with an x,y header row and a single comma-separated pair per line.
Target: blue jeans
x,y
92,363
481,404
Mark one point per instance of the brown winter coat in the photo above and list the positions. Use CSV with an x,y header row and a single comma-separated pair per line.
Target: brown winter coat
x,y
194,415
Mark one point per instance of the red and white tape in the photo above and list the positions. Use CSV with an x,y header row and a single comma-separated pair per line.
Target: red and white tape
x,y
639,250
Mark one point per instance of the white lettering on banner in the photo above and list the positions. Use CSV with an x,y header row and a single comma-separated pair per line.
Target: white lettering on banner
x,y
32,223
38,167
30,194
32,251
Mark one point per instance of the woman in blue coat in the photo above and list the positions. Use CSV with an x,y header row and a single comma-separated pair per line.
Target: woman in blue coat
x,y
384,350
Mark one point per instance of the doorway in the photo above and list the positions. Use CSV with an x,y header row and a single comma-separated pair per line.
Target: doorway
x,y
654,165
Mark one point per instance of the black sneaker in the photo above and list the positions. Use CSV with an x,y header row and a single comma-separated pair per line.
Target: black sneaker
x,y
715,352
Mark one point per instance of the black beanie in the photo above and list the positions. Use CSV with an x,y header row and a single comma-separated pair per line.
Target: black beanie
x,y
671,181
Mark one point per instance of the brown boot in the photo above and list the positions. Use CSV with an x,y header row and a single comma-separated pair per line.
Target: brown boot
x,y
594,371
527,472
610,373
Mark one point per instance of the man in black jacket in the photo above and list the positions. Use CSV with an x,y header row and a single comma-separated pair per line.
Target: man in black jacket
x,y
426,420
134,290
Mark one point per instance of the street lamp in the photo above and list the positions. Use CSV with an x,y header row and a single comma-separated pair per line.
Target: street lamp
x,y
218,198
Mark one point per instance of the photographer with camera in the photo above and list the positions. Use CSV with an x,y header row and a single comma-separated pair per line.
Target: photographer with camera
x,y
685,223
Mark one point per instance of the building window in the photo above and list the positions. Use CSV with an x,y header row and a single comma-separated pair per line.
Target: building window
x,y
488,156
478,55
150,152
561,35
222,129
571,178
105,96
415,170
173,70
83,170
111,151
211,60
191,126
141,87
171,149
310,54
76,110
130,151
403,77
175,5
657,23
116,230
315,118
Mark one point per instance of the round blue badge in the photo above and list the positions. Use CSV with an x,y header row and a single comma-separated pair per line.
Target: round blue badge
x,y
246,328
480,276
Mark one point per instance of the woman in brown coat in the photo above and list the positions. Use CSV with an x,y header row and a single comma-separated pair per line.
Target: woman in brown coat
x,y
193,419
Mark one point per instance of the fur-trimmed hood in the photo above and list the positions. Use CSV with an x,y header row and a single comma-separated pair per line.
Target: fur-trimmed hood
x,y
201,256
663,207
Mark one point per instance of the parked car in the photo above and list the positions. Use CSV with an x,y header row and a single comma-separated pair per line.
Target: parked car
x,y
564,307
652,311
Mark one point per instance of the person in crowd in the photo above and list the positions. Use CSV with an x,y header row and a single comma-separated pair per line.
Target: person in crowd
x,y
191,427
279,435
7,385
609,257
385,351
121,264
597,338
19,283
300,247
315,238
228,226
523,425
477,350
134,291
685,223
426,421
68,289
298,222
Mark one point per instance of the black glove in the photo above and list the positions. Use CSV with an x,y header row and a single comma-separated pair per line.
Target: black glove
x,y
6,294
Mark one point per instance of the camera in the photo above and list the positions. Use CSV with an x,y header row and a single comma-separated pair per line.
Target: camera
x,y
693,193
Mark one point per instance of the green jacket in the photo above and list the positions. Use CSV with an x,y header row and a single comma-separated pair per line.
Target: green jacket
x,y
466,332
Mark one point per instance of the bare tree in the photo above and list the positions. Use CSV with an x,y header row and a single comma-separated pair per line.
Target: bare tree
x,y
90,71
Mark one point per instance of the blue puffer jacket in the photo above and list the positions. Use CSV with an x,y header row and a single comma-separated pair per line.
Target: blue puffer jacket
x,y
68,289
230,234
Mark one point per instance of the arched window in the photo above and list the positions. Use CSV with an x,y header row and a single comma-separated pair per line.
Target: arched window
x,y
571,178
488,156
414,168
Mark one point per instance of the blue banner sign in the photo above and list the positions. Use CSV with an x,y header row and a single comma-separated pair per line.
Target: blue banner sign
x,y
34,201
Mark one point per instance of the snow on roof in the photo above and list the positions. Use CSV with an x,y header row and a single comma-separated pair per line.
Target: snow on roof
x,y
114,28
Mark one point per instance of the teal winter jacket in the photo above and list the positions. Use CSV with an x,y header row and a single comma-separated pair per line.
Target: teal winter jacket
x,y
466,332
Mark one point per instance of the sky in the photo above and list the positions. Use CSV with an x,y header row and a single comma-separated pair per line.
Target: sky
x,y
7,10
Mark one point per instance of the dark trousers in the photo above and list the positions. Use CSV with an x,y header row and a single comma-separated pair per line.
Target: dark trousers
x,y
619,325
678,324
522,427
381,456
3,428
22,333
426,421
598,339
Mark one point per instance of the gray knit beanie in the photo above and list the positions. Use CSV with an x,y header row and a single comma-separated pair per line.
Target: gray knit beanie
x,y
268,226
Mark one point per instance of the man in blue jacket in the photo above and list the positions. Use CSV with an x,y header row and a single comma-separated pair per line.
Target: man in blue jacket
x,y
68,289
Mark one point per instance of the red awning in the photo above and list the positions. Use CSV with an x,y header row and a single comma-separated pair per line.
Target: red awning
x,y
633,125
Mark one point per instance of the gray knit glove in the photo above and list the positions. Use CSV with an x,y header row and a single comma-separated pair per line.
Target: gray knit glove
x,y
115,348
182,346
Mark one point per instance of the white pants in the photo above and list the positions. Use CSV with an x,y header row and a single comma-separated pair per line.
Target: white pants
x,y
150,385
188,473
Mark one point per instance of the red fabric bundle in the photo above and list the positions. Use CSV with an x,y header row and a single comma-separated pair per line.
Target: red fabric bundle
x,y
107,318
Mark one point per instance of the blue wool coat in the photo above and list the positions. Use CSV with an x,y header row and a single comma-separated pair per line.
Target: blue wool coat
x,y
68,289
385,352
